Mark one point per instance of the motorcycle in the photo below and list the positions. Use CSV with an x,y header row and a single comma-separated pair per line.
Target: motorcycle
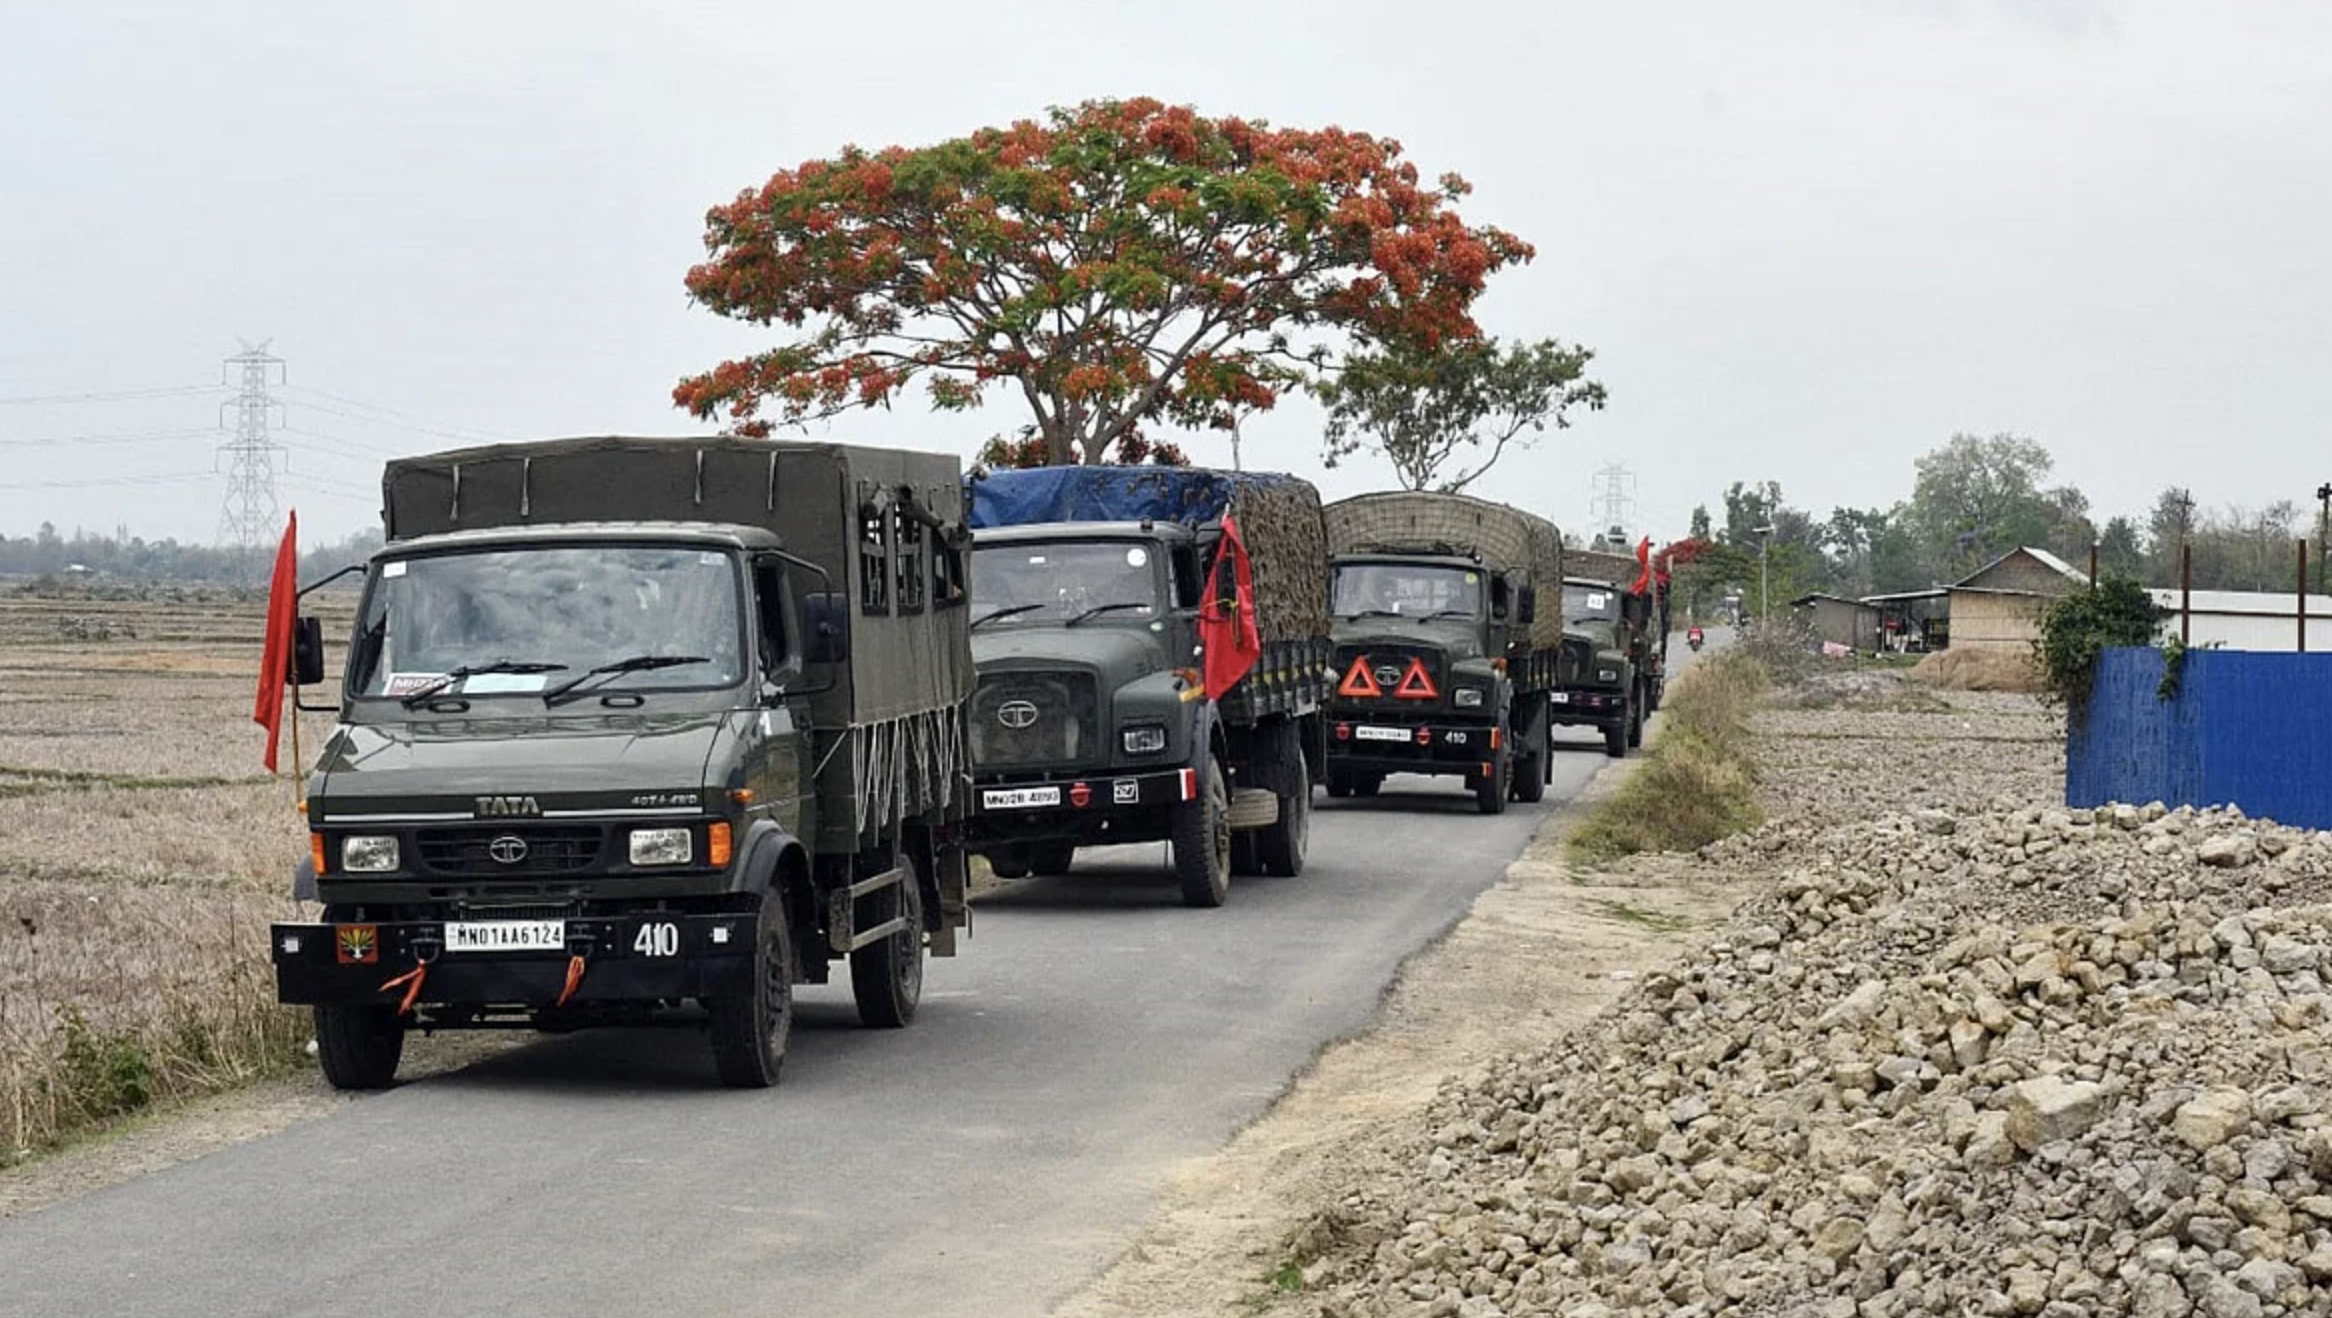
x,y
1693,638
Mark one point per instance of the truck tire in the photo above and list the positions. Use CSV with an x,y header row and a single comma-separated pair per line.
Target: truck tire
x,y
1615,733
1009,864
1636,713
1051,859
1339,785
886,978
750,1030
1281,844
1490,789
1532,765
1245,861
359,1044
1202,840
1368,784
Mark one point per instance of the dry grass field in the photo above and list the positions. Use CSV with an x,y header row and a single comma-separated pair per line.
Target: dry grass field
x,y
143,849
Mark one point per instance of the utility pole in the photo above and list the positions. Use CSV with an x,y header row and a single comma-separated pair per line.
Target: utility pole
x,y
1764,579
1608,509
2323,530
247,513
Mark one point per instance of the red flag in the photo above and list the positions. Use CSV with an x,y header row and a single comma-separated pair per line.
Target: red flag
x,y
275,657
1643,579
1230,637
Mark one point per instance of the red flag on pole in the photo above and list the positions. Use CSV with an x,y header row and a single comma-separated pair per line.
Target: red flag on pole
x,y
275,657
1229,634
1644,578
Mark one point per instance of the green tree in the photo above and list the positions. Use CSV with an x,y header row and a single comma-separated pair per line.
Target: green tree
x,y
1116,264
2120,551
1420,408
1700,521
1976,498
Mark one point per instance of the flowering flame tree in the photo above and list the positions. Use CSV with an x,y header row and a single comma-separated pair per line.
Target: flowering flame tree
x,y
1116,264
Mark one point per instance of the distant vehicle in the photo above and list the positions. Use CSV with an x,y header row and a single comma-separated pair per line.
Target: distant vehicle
x,y
1615,647
1693,637
629,724
1448,624
1152,646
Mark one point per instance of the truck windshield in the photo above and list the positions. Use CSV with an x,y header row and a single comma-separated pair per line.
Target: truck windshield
x,y
1590,604
1058,581
1407,590
557,611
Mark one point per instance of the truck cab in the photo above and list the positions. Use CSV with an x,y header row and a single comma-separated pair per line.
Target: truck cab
x,y
1605,677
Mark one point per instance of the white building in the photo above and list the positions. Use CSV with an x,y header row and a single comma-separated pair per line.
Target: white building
x,y
2249,619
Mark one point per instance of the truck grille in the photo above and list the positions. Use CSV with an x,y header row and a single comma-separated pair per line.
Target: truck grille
x,y
1387,668
1021,720
472,853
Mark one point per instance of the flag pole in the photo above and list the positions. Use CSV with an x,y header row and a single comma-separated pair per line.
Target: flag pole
x,y
299,765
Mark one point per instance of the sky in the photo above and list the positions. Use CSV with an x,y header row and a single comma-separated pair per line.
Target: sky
x,y
1808,241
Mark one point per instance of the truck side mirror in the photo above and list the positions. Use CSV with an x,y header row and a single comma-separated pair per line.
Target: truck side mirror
x,y
825,627
1526,606
1501,597
307,656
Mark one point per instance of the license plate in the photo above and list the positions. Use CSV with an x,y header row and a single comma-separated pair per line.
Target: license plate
x,y
1020,798
1381,734
1560,697
506,936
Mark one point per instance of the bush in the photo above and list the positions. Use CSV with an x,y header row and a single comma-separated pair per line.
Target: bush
x,y
2078,628
1697,783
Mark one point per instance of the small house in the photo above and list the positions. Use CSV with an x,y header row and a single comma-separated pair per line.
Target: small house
x,y
1838,620
1913,621
1999,606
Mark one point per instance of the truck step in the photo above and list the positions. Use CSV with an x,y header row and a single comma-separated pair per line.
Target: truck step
x,y
1253,807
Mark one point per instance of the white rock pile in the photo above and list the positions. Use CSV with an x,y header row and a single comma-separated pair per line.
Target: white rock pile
x,y
2036,1061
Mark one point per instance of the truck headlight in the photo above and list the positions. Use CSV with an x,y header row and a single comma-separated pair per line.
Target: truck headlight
x,y
369,854
662,846
1468,697
1144,739
1607,675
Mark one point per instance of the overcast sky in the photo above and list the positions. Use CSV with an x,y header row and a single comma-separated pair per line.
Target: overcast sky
x,y
1808,240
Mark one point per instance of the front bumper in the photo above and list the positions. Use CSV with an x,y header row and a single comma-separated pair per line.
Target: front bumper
x,y
1584,704
1381,744
1094,809
641,957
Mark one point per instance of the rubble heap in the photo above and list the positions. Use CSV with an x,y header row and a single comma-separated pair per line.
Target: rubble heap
x,y
2009,1061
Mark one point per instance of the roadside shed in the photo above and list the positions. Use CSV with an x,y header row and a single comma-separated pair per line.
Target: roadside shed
x,y
1912,621
1998,607
2254,620
1838,620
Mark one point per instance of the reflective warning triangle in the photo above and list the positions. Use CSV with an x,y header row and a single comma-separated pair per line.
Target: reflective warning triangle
x,y
1360,684
1416,684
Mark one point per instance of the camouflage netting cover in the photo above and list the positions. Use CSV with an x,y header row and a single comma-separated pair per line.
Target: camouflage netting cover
x,y
1595,565
1416,521
1279,517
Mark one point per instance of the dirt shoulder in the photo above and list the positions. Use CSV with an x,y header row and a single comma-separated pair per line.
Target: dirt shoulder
x,y
1541,953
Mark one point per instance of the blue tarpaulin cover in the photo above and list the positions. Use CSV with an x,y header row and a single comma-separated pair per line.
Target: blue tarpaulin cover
x,y
1189,495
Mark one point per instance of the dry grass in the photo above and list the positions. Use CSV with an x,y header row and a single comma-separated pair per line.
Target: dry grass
x,y
143,850
1980,670
1695,784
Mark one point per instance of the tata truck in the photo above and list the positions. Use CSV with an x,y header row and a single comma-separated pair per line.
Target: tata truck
x,y
1152,651
1448,626
1615,647
639,731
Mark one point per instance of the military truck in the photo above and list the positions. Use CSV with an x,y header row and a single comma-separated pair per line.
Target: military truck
x,y
1615,647
1448,626
631,727
1152,647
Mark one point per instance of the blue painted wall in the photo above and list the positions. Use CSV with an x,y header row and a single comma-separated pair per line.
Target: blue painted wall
x,y
2248,729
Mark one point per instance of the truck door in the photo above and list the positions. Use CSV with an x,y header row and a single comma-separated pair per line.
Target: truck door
x,y
776,764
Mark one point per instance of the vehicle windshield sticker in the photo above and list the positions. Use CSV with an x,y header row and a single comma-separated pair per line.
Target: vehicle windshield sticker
x,y
405,684
1137,556
1595,601
1471,579
708,557
396,569
486,684
1036,560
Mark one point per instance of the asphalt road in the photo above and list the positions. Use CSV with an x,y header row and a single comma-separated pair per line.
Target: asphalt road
x,y
987,1160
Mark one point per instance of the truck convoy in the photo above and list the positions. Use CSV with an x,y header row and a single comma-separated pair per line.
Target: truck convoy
x,y
1152,649
1615,646
1449,622
627,724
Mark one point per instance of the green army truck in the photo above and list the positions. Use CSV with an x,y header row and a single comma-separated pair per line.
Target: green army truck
x,y
1448,621
1615,648
634,731
1152,647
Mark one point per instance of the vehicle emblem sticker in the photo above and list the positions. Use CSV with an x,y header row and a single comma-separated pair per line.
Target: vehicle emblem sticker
x,y
508,849
1017,714
357,945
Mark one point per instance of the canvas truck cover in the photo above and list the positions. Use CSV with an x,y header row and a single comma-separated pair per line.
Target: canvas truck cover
x,y
849,509
1423,522
1620,570
1278,516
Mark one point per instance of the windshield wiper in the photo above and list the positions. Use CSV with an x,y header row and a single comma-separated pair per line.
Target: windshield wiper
x,y
1450,613
1005,612
1375,613
444,681
1098,609
638,663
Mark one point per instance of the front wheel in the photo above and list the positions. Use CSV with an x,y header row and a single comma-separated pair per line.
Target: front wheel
x,y
1615,733
1636,714
1532,765
1490,788
359,1044
886,976
1282,843
750,1030
1202,840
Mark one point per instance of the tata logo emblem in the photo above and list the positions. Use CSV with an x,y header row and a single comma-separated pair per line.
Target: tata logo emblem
x,y
508,849
1017,714
1388,676
508,807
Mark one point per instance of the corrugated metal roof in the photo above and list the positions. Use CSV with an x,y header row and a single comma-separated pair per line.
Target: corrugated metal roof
x,y
2040,556
2259,603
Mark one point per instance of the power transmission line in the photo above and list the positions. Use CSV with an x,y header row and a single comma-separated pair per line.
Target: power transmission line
x,y
247,513
1609,507
106,438
108,396
90,482
422,424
